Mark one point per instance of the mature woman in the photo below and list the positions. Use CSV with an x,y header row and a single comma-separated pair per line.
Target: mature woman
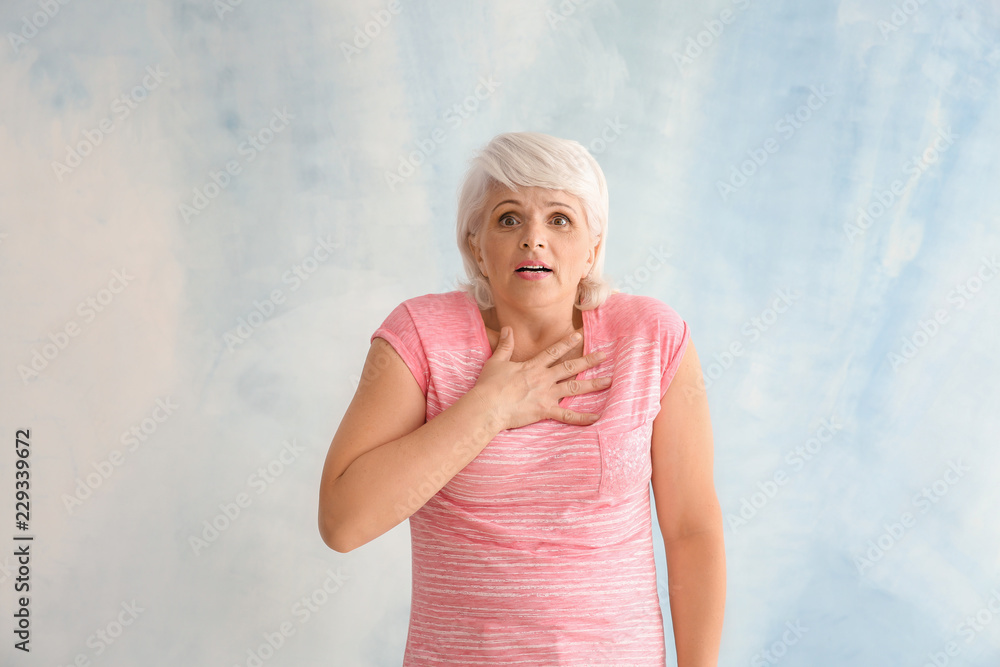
x,y
518,422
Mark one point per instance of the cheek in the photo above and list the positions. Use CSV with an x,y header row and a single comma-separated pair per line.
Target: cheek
x,y
491,255
581,251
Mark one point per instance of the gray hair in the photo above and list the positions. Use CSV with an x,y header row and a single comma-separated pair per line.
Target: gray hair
x,y
532,159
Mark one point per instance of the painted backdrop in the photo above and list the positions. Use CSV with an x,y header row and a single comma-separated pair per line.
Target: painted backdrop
x,y
206,208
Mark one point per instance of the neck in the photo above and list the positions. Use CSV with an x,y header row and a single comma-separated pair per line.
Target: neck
x,y
535,325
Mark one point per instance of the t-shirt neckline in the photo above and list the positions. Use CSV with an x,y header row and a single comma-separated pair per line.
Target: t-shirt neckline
x,y
484,340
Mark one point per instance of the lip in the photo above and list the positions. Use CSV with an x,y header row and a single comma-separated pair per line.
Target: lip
x,y
533,262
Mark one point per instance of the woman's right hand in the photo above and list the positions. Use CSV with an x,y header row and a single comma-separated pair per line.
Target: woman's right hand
x,y
521,393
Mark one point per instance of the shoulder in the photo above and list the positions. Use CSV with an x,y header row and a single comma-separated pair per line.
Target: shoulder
x,y
430,307
436,321
414,312
640,314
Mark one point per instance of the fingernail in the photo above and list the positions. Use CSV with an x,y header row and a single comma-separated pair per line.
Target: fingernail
x,y
576,336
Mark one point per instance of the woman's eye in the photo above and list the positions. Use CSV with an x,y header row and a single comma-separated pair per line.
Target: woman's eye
x,y
508,220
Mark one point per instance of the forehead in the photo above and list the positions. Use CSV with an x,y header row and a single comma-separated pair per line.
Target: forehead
x,y
532,196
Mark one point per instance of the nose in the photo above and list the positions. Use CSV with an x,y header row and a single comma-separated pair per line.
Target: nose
x,y
534,235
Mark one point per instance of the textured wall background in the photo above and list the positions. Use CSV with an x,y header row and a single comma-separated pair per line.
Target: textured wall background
x,y
207,207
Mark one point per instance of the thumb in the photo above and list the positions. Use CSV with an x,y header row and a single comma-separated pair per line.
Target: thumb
x,y
505,347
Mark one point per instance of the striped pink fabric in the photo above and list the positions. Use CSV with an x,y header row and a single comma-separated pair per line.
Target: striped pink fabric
x,y
539,552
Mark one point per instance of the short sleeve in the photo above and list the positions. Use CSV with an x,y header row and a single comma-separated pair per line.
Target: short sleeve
x,y
400,331
674,336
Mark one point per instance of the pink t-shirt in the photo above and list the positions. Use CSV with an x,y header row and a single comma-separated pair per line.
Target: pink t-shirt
x,y
539,551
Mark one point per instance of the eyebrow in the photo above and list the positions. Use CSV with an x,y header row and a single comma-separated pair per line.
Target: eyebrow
x,y
549,204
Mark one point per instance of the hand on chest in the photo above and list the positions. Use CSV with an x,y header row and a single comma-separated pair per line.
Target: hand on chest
x,y
550,461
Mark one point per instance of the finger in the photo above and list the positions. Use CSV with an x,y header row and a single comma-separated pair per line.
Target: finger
x,y
572,367
553,352
569,417
597,384
505,346
574,387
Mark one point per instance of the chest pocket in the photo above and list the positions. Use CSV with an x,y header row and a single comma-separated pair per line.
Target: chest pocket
x,y
626,466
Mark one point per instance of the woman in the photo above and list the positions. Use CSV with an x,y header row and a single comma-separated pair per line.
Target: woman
x,y
518,423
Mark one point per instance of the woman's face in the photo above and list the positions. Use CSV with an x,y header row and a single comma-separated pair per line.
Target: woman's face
x,y
538,226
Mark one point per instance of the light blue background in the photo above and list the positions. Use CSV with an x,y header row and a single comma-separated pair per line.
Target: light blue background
x,y
671,99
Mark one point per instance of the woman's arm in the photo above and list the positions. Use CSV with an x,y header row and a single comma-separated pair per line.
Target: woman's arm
x,y
385,462
689,515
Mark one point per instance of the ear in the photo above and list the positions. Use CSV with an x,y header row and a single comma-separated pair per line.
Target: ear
x,y
593,254
476,254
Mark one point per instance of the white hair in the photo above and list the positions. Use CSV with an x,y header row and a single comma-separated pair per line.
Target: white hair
x,y
532,159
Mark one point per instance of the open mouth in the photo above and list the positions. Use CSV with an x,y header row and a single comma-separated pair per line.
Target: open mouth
x,y
533,269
